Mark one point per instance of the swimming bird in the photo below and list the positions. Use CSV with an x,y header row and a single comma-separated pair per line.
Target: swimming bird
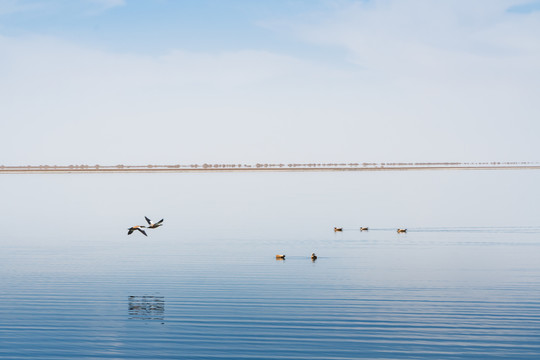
x,y
137,227
401,230
153,225
313,256
280,257
338,229
363,229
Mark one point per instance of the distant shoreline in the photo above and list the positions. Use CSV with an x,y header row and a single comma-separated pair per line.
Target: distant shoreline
x,y
48,169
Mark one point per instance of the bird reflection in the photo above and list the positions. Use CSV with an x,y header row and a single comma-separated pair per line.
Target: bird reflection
x,y
146,307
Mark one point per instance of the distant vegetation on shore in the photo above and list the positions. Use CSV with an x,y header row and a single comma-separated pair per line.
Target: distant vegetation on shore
x,y
270,166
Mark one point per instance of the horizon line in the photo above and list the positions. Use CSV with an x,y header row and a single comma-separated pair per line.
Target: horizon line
x,y
239,167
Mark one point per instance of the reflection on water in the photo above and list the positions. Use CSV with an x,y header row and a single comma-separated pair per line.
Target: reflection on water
x,y
146,307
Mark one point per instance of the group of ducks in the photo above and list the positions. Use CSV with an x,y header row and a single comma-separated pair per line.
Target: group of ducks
x,y
366,229
314,257
151,225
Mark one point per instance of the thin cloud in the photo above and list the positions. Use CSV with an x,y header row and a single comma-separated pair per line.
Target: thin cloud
x,y
108,4
91,7
18,6
377,27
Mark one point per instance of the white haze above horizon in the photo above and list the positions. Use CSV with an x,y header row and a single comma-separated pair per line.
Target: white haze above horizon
x,y
133,82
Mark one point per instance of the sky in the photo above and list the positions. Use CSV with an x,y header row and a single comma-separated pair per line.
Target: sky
x,y
242,81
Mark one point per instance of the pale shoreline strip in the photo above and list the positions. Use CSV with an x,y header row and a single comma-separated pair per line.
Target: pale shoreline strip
x,y
165,169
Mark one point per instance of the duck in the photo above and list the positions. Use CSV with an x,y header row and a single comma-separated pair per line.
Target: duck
x,y
401,230
363,229
137,227
280,257
313,257
153,225
338,229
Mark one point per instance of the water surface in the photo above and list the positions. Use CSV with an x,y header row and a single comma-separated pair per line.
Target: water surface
x,y
463,282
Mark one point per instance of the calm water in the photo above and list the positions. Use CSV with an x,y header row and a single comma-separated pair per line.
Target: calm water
x,y
464,282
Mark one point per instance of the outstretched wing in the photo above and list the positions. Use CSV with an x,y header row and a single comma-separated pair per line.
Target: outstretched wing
x,y
141,230
148,221
159,222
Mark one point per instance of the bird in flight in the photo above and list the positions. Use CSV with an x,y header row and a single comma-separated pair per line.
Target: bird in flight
x,y
152,225
136,227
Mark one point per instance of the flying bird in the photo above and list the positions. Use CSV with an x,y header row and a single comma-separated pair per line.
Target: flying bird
x,y
136,227
153,225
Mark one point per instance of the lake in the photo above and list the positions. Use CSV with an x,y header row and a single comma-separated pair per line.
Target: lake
x,y
462,283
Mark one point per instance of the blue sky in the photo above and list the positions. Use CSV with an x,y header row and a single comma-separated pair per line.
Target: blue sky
x,y
132,81
155,26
